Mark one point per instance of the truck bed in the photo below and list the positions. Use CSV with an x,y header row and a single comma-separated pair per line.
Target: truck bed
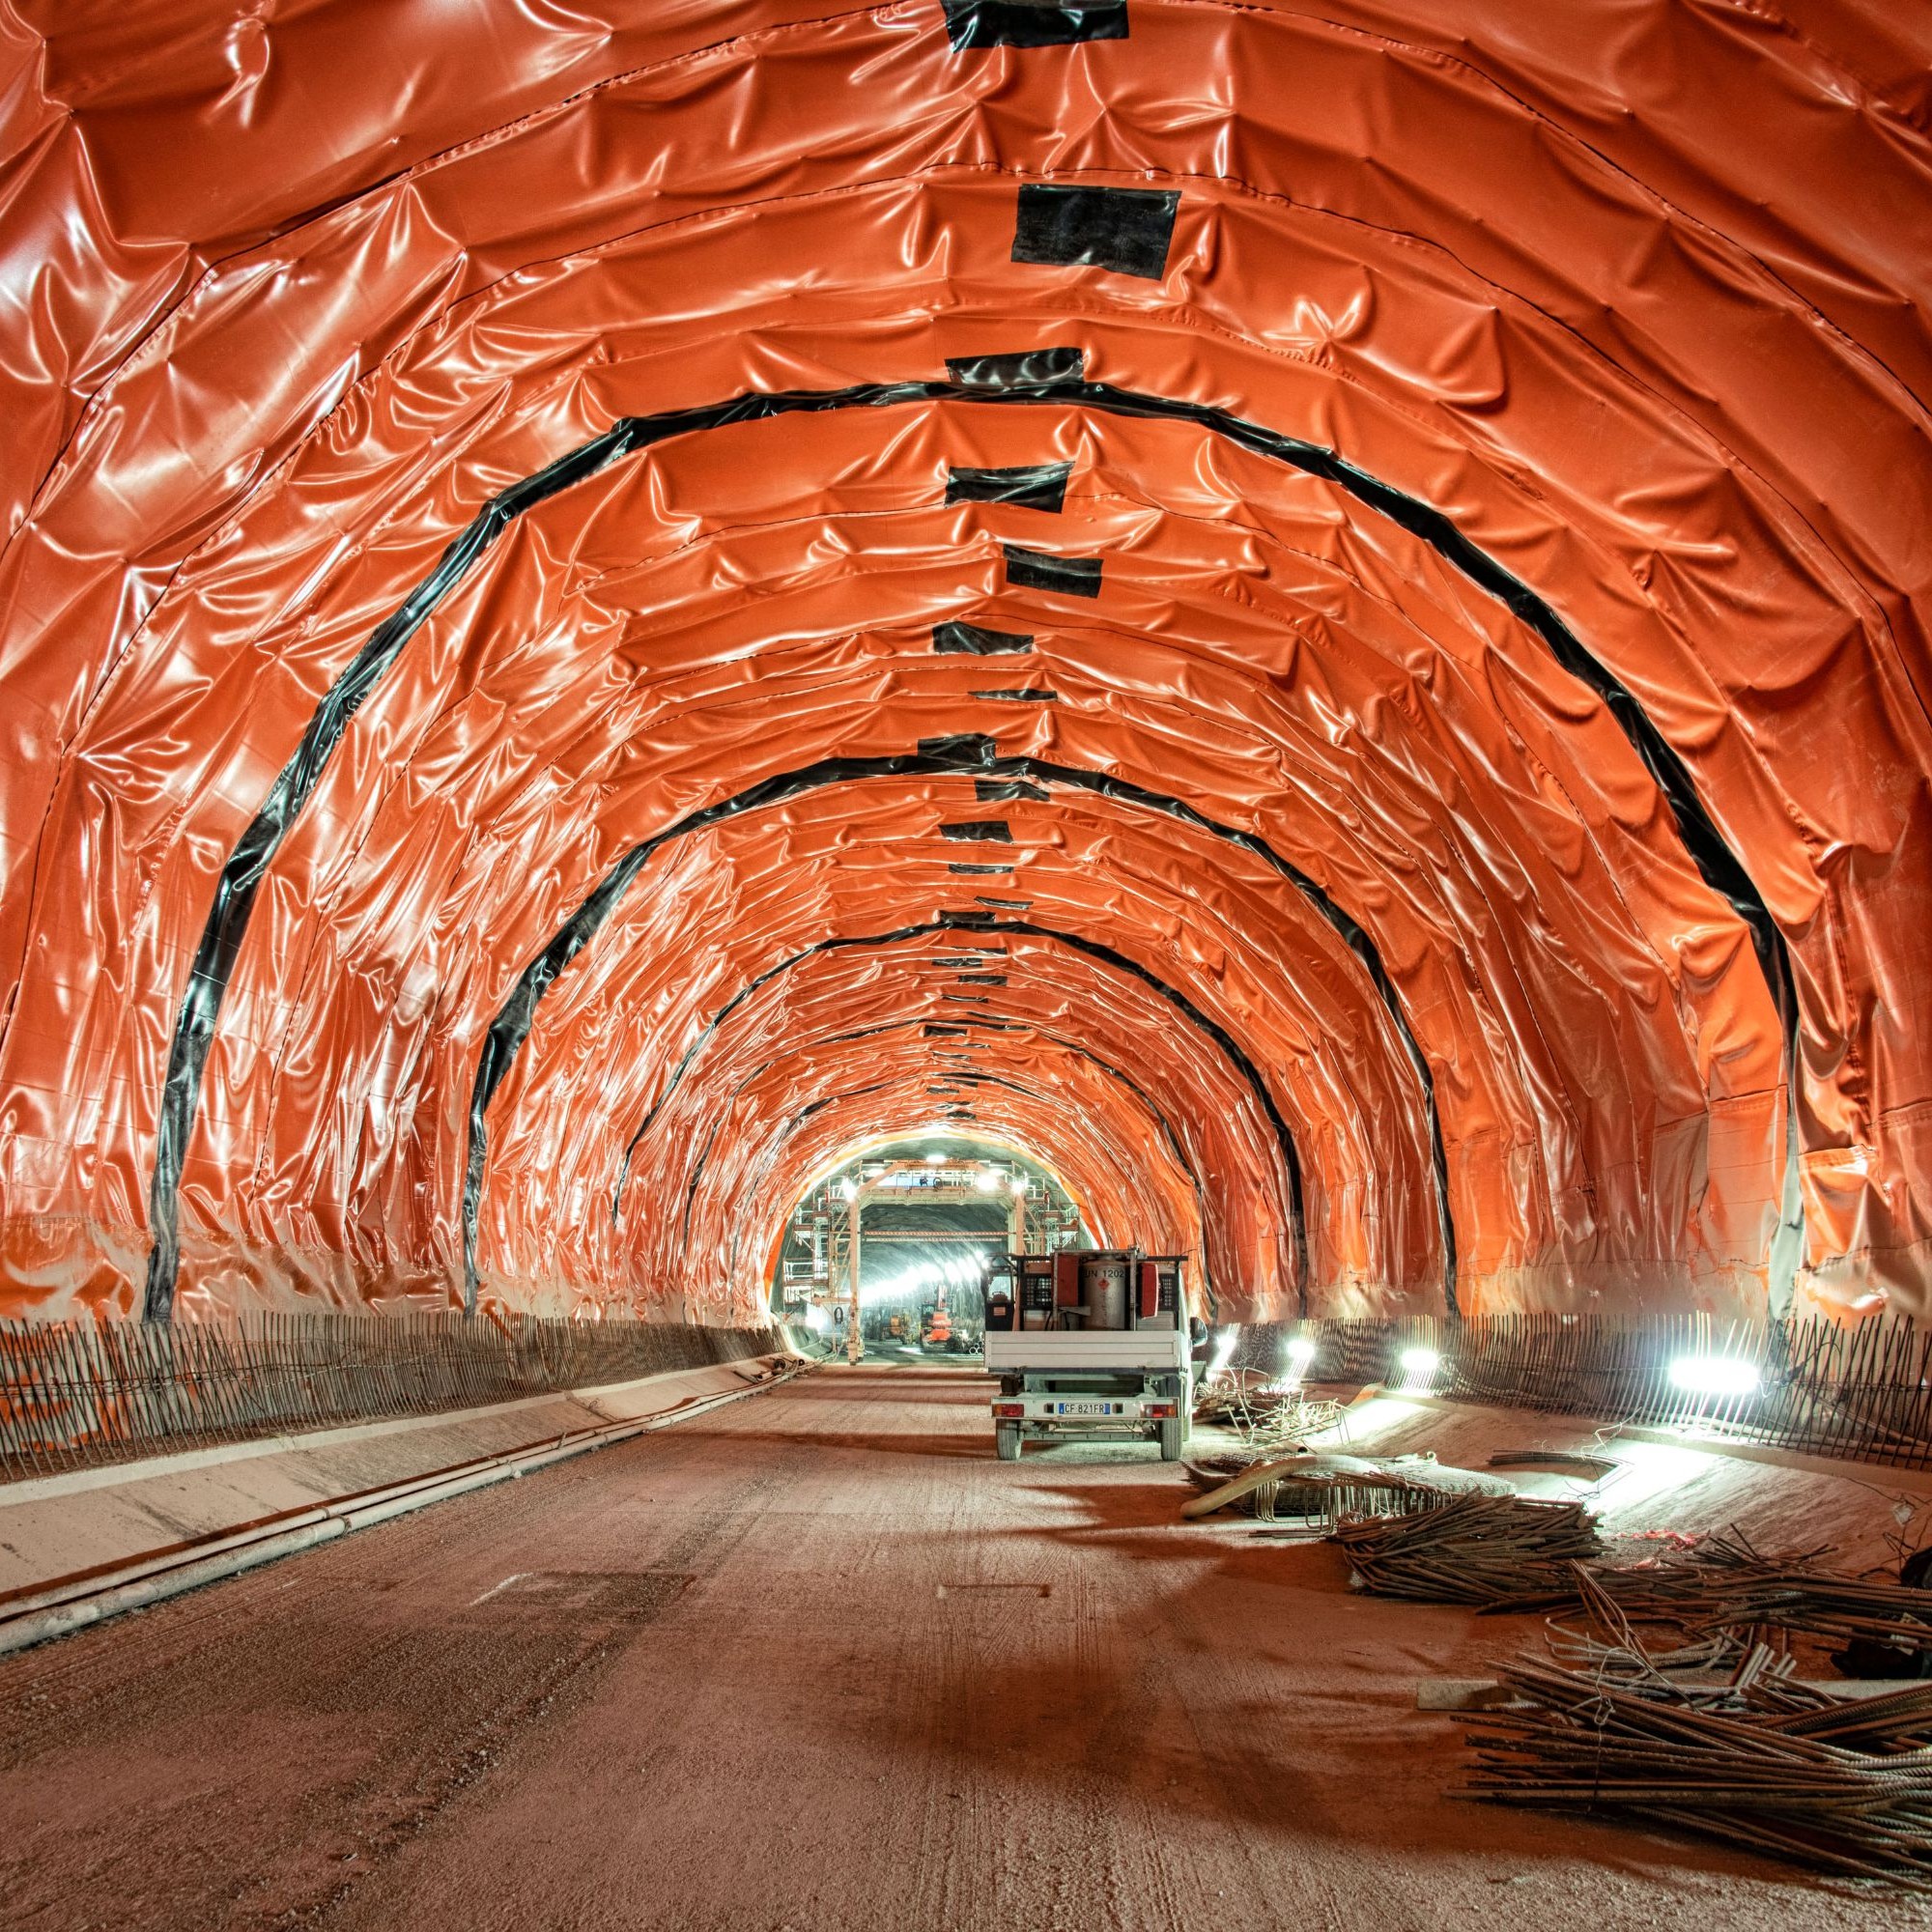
x,y
1011,1352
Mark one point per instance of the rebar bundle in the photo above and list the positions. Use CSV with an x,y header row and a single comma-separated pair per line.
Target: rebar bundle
x,y
1476,1549
1269,1417
1725,1587
1839,1609
1330,1488
1760,1762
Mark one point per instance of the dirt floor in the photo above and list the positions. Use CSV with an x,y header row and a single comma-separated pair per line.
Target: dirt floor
x,y
814,1660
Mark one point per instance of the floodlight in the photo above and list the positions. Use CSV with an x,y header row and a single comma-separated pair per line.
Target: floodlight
x,y
1418,1367
1713,1375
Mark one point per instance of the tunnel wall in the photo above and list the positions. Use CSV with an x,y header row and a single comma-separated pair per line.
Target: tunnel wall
x,y
1360,568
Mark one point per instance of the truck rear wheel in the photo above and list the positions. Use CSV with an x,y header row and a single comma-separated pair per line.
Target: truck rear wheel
x,y
1170,1439
1007,1439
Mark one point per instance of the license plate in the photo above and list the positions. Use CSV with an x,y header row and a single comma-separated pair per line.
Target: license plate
x,y
1086,1408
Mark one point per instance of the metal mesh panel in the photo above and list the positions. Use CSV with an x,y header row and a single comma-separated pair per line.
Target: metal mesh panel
x,y
1862,1392
79,1393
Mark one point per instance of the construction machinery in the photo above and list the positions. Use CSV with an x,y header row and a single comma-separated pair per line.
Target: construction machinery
x,y
939,1324
1091,1345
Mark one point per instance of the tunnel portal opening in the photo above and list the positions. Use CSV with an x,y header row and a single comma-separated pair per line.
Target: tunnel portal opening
x,y
898,1241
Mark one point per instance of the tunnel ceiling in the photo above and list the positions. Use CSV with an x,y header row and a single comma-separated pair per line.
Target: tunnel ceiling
x,y
1319,610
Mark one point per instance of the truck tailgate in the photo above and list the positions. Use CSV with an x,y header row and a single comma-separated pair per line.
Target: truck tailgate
x,y
1009,1352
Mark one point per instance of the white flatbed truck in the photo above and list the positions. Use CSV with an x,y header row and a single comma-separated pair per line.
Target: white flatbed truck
x,y
1132,1384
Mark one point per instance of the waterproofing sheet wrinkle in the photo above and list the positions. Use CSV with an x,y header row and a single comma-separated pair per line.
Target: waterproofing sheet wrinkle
x,y
1094,950
826,991
800,1071
805,1078
1118,1184
1128,1188
1121,1183
1352,417
513,1023
1080,576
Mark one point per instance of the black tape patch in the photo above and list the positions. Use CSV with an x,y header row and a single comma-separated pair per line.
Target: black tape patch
x,y
967,748
1020,694
997,791
1065,576
1033,23
973,918
932,1030
1005,905
982,979
996,830
1124,229
1036,486
977,871
954,638
1030,369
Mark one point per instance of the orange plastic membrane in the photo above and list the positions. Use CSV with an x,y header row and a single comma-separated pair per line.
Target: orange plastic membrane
x,y
1351,939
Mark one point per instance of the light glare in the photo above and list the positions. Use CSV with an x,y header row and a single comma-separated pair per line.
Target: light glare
x,y
1713,1375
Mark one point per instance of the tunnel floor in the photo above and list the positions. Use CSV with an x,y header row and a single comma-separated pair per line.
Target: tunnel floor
x,y
812,1659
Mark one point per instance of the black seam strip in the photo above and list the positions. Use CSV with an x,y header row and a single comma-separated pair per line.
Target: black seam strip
x,y
1038,377
1059,576
1093,949
964,753
1125,230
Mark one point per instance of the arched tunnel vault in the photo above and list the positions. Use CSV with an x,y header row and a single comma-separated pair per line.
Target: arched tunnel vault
x,y
1242,700
1141,1200
1483,678
1190,1081
1166,1203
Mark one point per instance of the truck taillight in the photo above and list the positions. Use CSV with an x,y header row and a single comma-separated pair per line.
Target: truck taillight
x,y
1010,1408
1158,1408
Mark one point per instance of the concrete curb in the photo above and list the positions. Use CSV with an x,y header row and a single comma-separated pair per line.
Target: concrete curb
x,y
65,1604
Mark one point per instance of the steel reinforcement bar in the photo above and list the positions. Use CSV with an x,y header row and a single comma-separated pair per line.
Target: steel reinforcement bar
x,y
1862,1391
74,1394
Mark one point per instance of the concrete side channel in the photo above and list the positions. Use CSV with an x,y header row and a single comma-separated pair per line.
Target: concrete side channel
x,y
90,1544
